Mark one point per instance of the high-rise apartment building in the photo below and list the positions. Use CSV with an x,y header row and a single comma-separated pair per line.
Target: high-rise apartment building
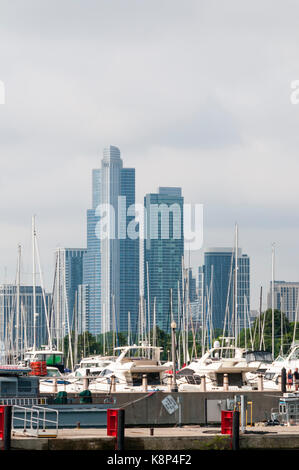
x,y
217,284
11,318
69,276
111,264
163,254
285,298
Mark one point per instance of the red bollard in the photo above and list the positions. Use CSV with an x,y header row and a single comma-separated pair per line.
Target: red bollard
x,y
116,426
2,422
227,422
5,427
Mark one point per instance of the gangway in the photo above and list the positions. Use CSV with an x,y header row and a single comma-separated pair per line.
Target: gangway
x,y
34,421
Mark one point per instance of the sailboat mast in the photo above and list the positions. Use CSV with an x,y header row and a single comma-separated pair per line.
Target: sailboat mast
x,y
18,301
33,283
129,329
154,323
236,286
43,294
273,274
281,325
148,305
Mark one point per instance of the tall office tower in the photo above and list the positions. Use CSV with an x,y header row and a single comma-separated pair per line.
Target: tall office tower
x,y
285,298
90,291
201,297
218,283
111,276
18,322
191,298
163,254
191,285
69,275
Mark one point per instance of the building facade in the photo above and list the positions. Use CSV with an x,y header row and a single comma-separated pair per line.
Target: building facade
x,y
163,255
217,284
69,276
285,298
17,324
110,287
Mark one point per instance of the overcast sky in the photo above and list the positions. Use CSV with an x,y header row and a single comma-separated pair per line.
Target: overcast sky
x,y
195,94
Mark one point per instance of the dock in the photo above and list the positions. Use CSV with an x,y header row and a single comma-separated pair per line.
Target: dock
x,y
185,438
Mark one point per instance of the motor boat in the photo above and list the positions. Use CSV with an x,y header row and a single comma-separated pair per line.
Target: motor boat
x,y
91,366
51,357
216,362
54,380
271,379
128,369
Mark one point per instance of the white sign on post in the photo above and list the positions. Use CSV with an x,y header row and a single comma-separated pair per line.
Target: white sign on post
x,y
170,404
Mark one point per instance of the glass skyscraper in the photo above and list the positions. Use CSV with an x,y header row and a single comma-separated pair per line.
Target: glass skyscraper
x,y
217,280
111,276
90,291
8,313
163,254
69,276
285,298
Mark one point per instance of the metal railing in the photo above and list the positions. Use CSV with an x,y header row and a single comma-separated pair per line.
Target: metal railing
x,y
23,401
34,421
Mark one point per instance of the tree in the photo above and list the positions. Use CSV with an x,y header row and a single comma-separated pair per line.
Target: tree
x,y
280,320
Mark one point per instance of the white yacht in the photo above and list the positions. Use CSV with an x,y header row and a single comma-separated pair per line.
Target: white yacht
x,y
216,362
52,357
273,371
92,366
129,367
54,378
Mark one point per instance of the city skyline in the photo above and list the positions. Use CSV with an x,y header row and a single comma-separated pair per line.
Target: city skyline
x,y
231,143
95,200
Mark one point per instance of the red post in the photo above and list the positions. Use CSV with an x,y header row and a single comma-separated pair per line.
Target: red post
x,y
5,427
116,426
227,422
2,422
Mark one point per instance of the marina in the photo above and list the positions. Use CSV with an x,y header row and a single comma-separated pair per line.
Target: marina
x,y
187,438
149,293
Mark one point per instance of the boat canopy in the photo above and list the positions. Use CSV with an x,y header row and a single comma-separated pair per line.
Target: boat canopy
x,y
258,356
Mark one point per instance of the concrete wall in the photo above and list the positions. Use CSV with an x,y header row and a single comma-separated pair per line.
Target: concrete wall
x,y
150,410
143,409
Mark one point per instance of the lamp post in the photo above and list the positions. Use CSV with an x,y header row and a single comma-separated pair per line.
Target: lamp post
x,y
174,384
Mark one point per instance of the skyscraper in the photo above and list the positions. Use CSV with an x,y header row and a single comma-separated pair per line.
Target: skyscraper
x,y
90,291
163,254
285,298
69,275
9,322
111,274
218,284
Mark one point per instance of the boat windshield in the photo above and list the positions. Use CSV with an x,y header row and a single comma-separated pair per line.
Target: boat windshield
x,y
140,353
220,353
269,375
295,355
86,365
53,373
106,372
259,356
